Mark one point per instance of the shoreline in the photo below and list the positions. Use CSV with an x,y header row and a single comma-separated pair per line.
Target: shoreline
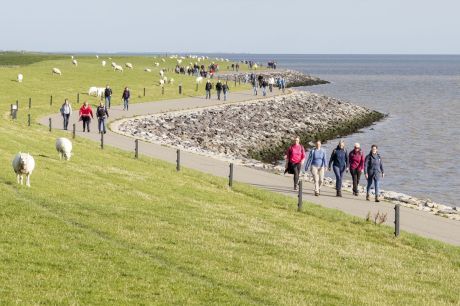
x,y
426,205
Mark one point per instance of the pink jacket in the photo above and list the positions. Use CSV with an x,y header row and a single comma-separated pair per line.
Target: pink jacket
x,y
356,160
295,153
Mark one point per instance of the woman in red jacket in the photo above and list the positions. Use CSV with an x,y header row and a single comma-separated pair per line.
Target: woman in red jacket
x,y
356,160
86,113
295,157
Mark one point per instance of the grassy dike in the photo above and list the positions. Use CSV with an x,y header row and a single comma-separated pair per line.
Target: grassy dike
x,y
105,228
276,152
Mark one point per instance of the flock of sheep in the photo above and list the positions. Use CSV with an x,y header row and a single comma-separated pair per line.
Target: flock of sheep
x,y
24,163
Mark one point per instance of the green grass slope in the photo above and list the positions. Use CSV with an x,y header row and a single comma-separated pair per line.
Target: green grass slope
x,y
105,228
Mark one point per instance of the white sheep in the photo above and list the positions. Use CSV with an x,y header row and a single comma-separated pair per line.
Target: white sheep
x,y
103,63
199,80
165,79
20,77
71,57
57,71
129,65
147,70
162,73
96,91
157,64
163,60
75,62
171,81
114,64
179,61
23,164
97,56
162,82
118,68
64,148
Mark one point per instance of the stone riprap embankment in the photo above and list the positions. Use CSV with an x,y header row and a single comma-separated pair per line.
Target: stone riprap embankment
x,y
293,78
238,130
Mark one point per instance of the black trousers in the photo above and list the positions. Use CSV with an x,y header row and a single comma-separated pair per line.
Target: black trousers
x,y
86,120
355,175
296,168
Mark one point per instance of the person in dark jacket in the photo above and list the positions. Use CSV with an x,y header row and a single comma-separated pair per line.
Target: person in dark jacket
x,y
225,90
254,86
339,162
125,96
373,169
102,114
108,96
264,87
356,161
208,88
218,89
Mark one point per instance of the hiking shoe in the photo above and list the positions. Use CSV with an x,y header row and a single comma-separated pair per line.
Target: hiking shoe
x,y
368,197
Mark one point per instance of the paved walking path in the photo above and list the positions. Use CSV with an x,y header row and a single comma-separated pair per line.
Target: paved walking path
x,y
414,221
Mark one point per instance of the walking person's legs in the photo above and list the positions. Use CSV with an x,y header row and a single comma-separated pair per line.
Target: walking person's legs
x,y
338,180
377,187
315,174
355,177
320,178
64,117
296,174
370,179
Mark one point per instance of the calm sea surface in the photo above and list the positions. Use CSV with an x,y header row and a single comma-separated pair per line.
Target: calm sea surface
x,y
420,140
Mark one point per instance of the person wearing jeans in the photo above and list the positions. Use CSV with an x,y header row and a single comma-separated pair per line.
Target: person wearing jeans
x,y
86,113
225,89
66,111
208,88
356,162
108,96
295,156
339,162
102,114
126,95
316,162
373,169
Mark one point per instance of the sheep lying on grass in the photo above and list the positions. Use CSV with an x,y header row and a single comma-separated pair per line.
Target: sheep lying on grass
x,y
129,65
57,71
64,148
20,77
148,70
23,164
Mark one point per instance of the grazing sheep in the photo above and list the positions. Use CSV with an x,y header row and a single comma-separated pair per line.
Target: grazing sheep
x,y
114,64
162,83
129,65
75,62
118,68
157,64
96,91
71,56
57,71
103,63
23,164
171,81
64,148
20,77
199,80
97,56
148,70
165,79
163,60
162,73
179,61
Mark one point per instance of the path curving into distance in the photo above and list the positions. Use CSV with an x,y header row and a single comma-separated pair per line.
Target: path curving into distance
x,y
413,221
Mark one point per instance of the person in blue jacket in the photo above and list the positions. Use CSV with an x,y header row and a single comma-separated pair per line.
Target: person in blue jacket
x,y
317,163
339,162
373,169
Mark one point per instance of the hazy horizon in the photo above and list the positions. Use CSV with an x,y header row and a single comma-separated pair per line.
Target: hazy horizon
x,y
252,27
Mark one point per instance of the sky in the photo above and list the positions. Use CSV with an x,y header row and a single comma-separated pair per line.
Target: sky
x,y
236,26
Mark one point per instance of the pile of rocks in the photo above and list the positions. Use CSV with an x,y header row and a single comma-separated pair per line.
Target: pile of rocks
x,y
293,78
236,129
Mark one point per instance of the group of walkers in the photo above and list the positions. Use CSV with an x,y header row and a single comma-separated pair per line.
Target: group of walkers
x,y
260,82
86,112
340,162
221,88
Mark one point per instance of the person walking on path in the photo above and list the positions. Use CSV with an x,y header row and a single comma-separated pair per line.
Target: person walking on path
x,y
271,83
373,169
356,161
282,84
86,113
108,96
208,88
264,87
66,111
316,163
225,90
254,86
125,96
339,162
218,89
295,156
102,114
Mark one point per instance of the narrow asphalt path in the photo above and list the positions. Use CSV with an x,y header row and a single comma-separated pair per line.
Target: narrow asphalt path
x,y
414,221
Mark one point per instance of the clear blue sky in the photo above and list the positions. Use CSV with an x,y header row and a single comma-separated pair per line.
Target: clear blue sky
x,y
252,26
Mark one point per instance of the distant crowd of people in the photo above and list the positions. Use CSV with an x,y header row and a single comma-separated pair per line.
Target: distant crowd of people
x,y
340,161
261,82
221,89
